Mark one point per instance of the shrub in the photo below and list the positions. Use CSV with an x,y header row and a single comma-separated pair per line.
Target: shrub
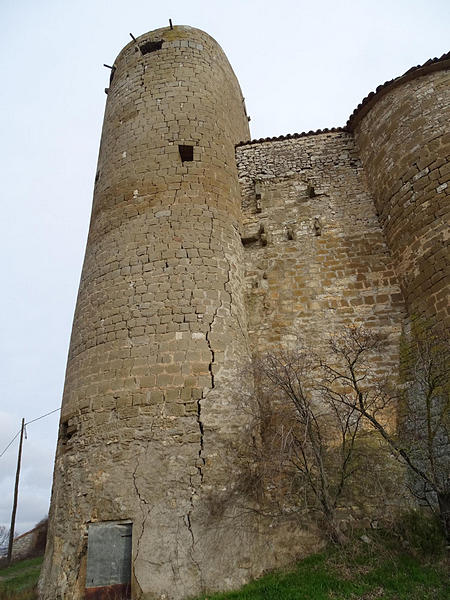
x,y
421,532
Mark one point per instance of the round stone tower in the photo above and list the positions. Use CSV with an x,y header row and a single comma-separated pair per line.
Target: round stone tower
x,y
159,331
403,136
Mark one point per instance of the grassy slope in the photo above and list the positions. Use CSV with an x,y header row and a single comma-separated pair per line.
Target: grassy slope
x,y
375,571
326,577
18,580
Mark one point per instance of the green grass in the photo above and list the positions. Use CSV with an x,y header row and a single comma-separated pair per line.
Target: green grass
x,y
18,581
379,570
364,573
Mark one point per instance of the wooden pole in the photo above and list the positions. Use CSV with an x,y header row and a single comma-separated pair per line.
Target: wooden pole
x,y
16,493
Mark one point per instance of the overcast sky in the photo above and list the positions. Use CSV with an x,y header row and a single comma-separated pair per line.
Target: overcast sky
x,y
301,65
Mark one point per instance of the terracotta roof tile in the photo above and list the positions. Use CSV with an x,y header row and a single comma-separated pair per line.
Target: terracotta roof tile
x,y
290,136
363,106
413,72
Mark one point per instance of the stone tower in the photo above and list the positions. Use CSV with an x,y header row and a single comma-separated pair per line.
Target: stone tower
x,y
205,248
403,138
158,333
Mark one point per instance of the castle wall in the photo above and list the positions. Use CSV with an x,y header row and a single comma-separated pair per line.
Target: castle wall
x,y
316,262
30,543
159,328
336,269
404,143
199,256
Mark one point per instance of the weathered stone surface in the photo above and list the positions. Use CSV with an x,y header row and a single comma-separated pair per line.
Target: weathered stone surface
x,y
198,258
325,264
30,543
159,329
404,143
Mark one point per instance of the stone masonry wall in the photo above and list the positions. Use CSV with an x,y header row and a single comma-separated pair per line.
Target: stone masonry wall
x,y
316,262
159,329
29,543
200,255
316,258
404,141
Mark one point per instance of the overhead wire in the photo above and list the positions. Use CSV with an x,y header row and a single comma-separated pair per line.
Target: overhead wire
x,y
42,416
17,434
28,423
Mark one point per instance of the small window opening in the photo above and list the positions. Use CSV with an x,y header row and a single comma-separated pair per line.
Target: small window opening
x,y
317,227
67,431
150,47
186,153
310,191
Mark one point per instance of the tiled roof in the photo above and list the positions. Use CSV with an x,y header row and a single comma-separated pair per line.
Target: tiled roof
x,y
433,64
364,106
291,136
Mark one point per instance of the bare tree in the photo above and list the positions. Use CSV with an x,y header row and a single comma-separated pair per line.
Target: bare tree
x,y
4,537
422,443
308,438
425,371
321,425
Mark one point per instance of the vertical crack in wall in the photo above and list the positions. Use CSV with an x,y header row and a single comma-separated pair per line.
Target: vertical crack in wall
x,y
203,395
208,341
142,501
188,523
210,328
201,460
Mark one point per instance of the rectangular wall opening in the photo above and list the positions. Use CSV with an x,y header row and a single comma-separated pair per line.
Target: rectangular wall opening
x,y
186,153
66,431
108,573
150,47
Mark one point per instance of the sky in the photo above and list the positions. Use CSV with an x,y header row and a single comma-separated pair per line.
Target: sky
x,y
301,65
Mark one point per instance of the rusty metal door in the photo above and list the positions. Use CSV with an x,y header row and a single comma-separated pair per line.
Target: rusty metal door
x,y
108,573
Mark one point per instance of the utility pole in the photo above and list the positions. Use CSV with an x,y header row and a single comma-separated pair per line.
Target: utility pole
x,y
16,493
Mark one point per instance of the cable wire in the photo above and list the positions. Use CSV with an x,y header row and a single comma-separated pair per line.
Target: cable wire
x,y
25,424
18,433
42,416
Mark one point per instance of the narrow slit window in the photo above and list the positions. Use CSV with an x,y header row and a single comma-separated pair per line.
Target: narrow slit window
x,y
150,47
186,153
